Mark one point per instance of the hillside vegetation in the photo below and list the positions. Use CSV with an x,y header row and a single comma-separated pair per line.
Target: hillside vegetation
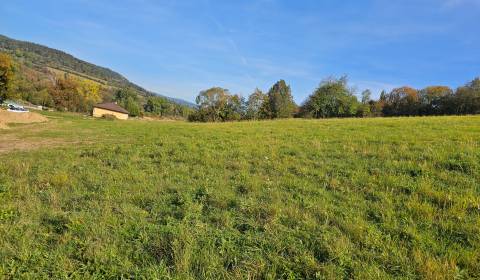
x,y
52,78
395,198
40,56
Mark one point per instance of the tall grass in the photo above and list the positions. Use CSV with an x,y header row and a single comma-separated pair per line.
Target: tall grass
x,y
294,199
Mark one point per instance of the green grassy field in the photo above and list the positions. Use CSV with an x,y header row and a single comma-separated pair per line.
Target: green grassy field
x,y
295,199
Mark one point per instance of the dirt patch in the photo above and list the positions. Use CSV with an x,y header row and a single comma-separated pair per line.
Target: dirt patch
x,y
11,143
14,139
159,119
7,117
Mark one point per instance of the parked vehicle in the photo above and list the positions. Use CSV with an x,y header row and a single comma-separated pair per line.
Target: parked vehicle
x,y
16,109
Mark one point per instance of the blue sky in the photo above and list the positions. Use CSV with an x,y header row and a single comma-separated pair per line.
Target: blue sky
x,y
178,48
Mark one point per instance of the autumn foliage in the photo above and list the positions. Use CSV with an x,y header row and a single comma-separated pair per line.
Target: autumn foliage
x,y
332,99
6,76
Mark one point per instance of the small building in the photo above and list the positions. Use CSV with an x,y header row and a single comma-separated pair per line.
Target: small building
x,y
113,109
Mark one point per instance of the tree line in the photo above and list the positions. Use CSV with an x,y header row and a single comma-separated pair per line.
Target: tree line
x,y
218,104
333,98
156,106
66,92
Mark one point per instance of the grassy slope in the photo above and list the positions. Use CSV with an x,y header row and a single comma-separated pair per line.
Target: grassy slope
x,y
363,198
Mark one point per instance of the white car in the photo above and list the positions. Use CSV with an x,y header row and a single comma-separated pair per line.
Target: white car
x,y
16,109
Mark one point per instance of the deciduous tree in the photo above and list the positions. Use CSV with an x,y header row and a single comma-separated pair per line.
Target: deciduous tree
x,y
434,100
128,99
89,90
467,98
6,76
212,102
65,96
254,105
402,101
332,98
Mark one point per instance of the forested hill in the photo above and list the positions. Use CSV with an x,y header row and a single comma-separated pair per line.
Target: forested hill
x,y
38,56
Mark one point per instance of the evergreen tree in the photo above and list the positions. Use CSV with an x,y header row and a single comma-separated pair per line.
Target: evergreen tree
x,y
280,101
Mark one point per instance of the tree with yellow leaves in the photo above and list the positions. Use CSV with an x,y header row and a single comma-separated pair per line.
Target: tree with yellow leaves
x,y
89,90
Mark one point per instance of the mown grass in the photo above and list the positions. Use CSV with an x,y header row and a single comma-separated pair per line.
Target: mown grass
x,y
296,199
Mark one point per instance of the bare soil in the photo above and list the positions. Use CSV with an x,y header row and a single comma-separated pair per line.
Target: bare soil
x,y
13,142
7,117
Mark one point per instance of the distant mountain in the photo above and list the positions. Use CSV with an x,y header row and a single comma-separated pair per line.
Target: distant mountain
x,y
178,101
38,56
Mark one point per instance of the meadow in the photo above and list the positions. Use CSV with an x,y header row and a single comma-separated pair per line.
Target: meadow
x,y
380,198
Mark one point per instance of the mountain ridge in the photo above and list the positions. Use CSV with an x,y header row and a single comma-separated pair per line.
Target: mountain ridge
x,y
37,55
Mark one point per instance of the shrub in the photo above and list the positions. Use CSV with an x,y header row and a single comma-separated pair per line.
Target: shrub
x,y
109,117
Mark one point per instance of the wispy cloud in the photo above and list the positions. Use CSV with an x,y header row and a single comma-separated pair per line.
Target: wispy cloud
x,y
229,40
186,46
232,43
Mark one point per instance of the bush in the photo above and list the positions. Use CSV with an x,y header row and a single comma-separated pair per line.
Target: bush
x,y
109,117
